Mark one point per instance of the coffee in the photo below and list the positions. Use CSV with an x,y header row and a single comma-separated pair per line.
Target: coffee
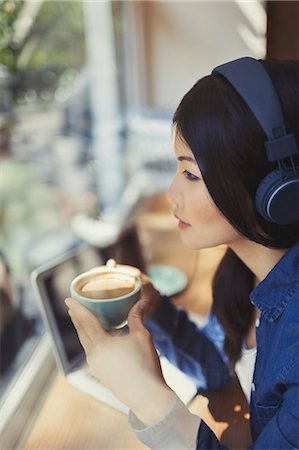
x,y
106,286
108,292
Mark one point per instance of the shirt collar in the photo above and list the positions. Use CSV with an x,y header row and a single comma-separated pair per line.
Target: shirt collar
x,y
274,292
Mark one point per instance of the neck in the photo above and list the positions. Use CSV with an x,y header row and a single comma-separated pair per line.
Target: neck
x,y
259,259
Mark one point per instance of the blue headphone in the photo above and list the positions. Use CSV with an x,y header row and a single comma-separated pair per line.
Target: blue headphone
x,y
277,196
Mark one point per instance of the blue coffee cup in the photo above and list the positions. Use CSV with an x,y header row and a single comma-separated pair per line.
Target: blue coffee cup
x,y
108,292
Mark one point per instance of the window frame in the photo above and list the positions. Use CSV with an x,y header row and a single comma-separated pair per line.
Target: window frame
x,y
25,394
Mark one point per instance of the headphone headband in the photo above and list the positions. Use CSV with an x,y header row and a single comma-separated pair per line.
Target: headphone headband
x,y
251,80
277,195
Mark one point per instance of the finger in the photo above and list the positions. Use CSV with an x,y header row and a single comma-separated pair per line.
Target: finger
x,y
134,271
86,320
86,342
130,270
152,297
145,278
111,263
136,315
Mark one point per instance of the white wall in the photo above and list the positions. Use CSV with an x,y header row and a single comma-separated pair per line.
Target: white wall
x,y
182,41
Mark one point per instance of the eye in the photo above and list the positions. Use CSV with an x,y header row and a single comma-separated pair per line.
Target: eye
x,y
190,176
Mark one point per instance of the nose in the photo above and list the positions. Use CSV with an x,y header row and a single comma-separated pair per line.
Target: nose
x,y
173,194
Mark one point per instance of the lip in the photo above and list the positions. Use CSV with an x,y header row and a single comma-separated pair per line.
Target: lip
x,y
182,225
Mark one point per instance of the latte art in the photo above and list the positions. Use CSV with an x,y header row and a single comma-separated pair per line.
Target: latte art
x,y
106,286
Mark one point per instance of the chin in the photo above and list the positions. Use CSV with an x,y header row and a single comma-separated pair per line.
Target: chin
x,y
189,242
195,244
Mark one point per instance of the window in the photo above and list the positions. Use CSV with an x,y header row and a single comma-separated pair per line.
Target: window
x,y
46,171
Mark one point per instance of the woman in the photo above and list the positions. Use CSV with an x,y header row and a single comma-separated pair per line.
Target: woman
x,y
224,153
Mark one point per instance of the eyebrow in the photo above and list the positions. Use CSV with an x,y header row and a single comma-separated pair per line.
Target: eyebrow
x,y
186,158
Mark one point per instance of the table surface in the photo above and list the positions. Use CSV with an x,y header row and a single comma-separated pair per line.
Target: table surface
x,y
70,419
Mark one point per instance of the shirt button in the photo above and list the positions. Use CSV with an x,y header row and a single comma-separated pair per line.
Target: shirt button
x,y
257,323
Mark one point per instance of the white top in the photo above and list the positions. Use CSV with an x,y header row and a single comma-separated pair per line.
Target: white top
x,y
244,370
179,428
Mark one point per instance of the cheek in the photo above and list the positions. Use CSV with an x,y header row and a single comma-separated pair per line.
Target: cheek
x,y
208,226
201,209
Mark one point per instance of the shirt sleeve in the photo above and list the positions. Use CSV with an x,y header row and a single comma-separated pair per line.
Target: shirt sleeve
x,y
197,351
177,430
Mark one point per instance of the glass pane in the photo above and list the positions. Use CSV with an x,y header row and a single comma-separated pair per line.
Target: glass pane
x,y
46,169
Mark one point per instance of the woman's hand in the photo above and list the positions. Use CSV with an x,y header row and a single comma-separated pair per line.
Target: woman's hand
x,y
148,291
128,365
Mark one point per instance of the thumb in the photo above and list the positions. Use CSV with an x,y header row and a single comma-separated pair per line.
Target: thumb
x,y
136,315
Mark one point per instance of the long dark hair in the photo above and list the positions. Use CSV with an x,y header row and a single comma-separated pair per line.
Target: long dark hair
x,y
228,144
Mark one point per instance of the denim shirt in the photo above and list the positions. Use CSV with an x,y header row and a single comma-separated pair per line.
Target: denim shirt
x,y
274,406
196,351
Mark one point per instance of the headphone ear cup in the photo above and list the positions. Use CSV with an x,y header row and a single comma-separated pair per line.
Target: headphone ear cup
x,y
263,192
277,196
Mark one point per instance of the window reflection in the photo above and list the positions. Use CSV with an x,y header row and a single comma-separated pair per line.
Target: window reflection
x,y
18,327
46,169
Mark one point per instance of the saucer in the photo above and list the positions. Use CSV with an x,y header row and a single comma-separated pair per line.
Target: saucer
x,y
167,279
